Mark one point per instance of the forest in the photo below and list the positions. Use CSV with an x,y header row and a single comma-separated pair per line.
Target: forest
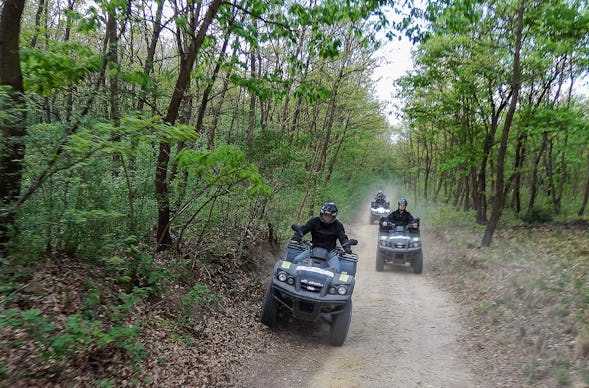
x,y
141,139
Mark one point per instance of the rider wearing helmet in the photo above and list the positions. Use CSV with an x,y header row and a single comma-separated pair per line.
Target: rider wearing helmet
x,y
380,199
325,231
399,217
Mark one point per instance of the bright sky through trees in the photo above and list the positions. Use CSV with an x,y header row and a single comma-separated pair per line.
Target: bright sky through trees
x,y
394,61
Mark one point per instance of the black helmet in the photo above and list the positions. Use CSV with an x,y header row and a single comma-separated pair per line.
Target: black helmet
x,y
403,202
328,208
380,194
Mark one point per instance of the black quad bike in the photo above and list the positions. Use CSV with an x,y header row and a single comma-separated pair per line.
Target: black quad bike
x,y
400,245
312,290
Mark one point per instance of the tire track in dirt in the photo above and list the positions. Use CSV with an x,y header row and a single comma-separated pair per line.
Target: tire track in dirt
x,y
404,330
404,333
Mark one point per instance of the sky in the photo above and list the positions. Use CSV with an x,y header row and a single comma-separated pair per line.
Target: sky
x,y
394,62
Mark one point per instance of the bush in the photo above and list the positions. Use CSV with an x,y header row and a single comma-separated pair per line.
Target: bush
x,y
536,215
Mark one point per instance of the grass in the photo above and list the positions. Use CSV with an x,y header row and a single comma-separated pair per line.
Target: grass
x,y
532,284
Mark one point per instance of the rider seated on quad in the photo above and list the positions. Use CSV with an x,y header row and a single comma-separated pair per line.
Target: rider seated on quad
x,y
399,217
380,200
325,231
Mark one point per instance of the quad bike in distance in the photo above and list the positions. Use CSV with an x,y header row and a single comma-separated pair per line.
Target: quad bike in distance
x,y
312,290
379,210
400,245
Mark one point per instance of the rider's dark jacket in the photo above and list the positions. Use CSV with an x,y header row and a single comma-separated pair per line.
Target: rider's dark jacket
x,y
325,235
399,218
380,201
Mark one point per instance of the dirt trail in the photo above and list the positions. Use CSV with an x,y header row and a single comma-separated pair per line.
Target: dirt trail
x,y
405,332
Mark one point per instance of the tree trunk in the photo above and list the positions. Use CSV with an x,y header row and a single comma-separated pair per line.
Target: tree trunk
x,y
112,56
252,113
12,148
499,197
334,158
586,193
217,110
466,204
148,68
164,238
427,164
41,13
520,158
556,188
534,181
207,92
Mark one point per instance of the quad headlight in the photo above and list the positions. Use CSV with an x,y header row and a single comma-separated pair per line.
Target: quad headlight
x,y
340,290
415,242
285,277
282,276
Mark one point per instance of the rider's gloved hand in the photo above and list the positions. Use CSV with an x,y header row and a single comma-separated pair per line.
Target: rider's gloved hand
x,y
297,237
348,250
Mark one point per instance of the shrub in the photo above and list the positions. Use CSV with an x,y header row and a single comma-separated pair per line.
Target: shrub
x,y
536,215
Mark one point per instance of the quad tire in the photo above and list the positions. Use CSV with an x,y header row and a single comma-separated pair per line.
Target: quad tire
x,y
340,324
269,308
379,261
418,263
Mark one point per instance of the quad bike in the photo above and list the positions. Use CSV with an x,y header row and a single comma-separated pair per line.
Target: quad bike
x,y
377,211
312,290
400,245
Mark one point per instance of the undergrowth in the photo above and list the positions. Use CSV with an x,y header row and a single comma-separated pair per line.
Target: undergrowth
x,y
532,284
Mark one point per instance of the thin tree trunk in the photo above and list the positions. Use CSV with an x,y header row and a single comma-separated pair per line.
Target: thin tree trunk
x,y
252,113
534,181
466,204
586,193
499,199
164,238
207,92
112,56
563,173
148,68
41,13
428,167
520,158
217,111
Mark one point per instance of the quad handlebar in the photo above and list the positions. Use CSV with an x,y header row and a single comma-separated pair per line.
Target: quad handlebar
x,y
308,243
414,224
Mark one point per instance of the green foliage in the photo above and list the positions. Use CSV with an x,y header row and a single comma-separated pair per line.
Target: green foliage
x,y
86,23
61,66
269,87
81,208
463,73
199,296
562,370
135,268
32,321
531,370
224,166
78,334
312,93
537,215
